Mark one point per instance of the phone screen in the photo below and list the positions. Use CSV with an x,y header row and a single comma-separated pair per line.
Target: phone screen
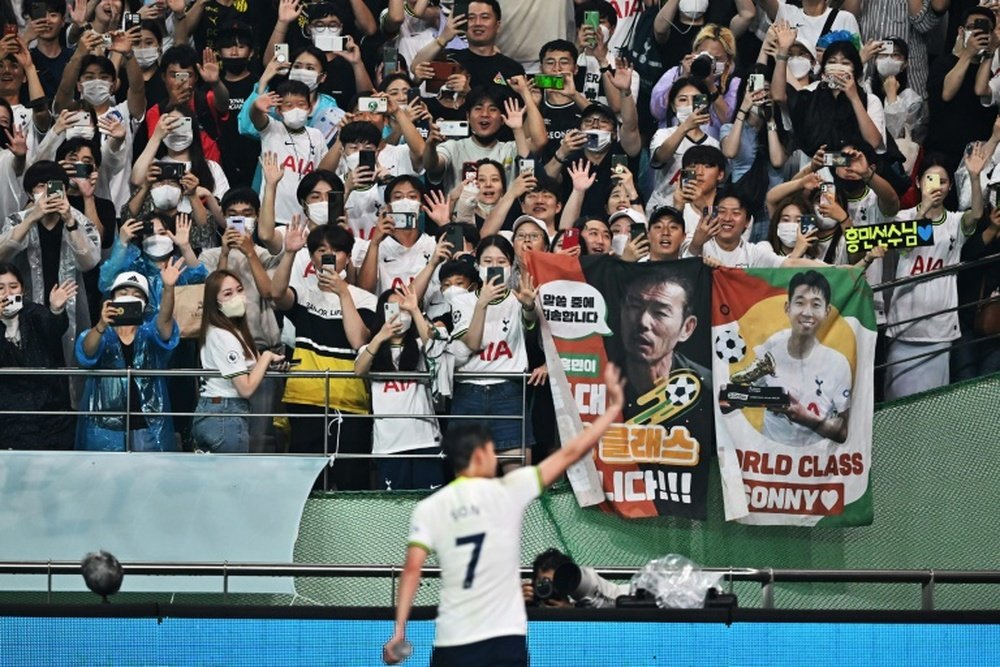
x,y
366,158
571,239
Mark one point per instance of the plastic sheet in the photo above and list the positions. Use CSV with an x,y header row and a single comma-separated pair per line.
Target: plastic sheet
x,y
675,581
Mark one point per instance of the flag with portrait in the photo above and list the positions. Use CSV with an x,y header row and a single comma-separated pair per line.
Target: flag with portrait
x,y
652,320
794,351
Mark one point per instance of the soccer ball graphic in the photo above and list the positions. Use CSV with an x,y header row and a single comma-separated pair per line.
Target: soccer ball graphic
x,y
683,389
729,345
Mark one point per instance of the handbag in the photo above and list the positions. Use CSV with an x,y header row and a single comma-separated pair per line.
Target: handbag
x,y
188,301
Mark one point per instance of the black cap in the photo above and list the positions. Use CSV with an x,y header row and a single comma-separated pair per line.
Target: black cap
x,y
600,110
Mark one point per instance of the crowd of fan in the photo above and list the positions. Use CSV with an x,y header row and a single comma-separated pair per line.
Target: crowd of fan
x,y
353,185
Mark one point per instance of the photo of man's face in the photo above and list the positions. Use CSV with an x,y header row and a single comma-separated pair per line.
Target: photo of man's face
x,y
653,321
807,308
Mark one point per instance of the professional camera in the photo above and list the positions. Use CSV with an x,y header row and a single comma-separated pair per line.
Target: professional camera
x,y
558,578
703,65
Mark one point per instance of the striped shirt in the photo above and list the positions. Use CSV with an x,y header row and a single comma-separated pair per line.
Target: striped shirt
x,y
881,19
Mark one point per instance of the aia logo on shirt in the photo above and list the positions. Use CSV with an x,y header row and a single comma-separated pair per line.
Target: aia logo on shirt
x,y
298,165
494,351
397,386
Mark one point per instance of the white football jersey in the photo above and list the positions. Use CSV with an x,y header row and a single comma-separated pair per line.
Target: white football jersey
x,y
398,265
918,299
402,397
474,527
503,348
821,382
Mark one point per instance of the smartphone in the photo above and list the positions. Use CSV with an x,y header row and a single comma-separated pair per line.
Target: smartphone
x,y
933,182
336,204
10,29
700,102
571,239
525,166
619,163
327,43
455,129
281,53
390,60
403,220
12,299
828,191
835,160
494,273
461,8
593,141
412,95
328,260
807,222
82,169
366,158
636,230
593,19
456,238
146,230
709,212
170,171
888,48
550,81
391,310
127,313
373,104
688,175
132,21
39,10
237,222
55,188
755,82
442,70
981,25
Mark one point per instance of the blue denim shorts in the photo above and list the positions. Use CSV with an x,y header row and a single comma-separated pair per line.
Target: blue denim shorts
x,y
220,425
504,398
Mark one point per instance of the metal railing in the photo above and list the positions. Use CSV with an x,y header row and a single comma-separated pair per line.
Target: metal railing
x,y
767,578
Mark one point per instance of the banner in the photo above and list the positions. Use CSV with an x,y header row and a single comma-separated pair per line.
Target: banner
x,y
794,352
652,320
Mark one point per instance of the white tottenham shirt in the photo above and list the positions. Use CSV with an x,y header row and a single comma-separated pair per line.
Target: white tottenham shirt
x,y
299,153
821,383
474,527
503,344
402,397
917,300
223,351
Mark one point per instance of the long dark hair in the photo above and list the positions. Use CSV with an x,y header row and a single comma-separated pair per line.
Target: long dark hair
x,y
211,316
675,90
828,119
875,81
199,165
409,357
755,182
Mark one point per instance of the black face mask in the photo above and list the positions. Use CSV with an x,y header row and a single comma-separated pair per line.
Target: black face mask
x,y
235,65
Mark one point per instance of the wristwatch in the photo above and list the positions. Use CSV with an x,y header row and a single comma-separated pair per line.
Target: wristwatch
x,y
71,227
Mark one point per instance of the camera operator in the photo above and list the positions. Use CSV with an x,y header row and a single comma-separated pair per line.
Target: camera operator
x,y
556,581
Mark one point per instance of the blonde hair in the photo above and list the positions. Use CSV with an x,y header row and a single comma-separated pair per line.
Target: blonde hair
x,y
720,34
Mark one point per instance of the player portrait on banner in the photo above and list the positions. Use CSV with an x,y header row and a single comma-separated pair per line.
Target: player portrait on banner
x,y
794,352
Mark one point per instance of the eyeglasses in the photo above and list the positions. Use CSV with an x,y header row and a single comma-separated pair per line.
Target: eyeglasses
x,y
529,237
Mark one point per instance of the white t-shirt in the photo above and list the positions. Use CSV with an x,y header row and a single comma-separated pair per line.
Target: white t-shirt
x,y
398,265
456,153
821,383
474,527
864,211
223,352
747,255
811,27
298,154
503,348
664,174
917,300
402,397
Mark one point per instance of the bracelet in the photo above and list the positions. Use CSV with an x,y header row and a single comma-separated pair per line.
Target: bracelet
x,y
437,40
636,201
369,351
626,93
772,127
741,115
780,57
73,228
562,161
846,218
606,69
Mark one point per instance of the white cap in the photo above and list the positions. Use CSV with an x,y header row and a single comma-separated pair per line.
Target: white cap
x,y
131,279
530,218
629,213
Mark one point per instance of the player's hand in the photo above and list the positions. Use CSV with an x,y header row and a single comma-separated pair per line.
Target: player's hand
x,y
391,649
616,389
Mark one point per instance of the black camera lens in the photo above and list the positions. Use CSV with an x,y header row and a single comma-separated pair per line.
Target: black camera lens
x,y
702,66
544,589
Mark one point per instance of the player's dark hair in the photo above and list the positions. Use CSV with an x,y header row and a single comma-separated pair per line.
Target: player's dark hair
x,y
461,442
811,279
659,277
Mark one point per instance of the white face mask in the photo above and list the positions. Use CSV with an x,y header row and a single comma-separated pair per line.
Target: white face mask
x,y
799,66
683,113
453,292
179,140
603,138
146,57
824,222
483,270
129,298
351,162
618,244
788,233
693,8
235,307
306,76
165,197
158,246
719,67
96,92
605,33
405,320
319,212
15,302
411,206
294,119
837,68
85,131
888,66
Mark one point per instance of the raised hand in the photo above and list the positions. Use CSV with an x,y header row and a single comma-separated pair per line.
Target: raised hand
x,y
289,11
17,142
111,127
182,237
61,293
526,290
513,116
172,270
622,79
209,69
975,159
785,35
410,303
273,171
437,207
296,234
581,175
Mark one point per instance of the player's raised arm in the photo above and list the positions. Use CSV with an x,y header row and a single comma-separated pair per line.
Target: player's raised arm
x,y
556,464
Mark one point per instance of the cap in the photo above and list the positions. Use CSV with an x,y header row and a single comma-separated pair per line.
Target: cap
x,y
629,213
529,218
130,279
804,43
600,110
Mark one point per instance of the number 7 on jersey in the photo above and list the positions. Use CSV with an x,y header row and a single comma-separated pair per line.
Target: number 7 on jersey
x,y
477,546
